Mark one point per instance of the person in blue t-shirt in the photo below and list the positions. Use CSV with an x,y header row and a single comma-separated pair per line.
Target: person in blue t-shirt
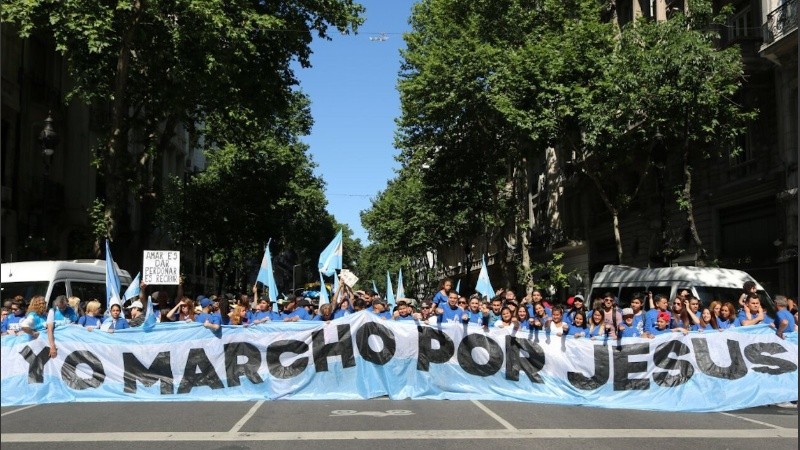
x,y
578,327
707,322
116,321
264,312
15,315
403,311
59,315
379,309
445,286
628,328
35,320
207,318
752,313
325,313
473,312
93,317
727,316
662,324
657,306
295,310
450,311
786,323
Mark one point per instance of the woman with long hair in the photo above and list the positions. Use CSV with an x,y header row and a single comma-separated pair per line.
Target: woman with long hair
x,y
35,320
93,317
707,321
440,299
183,311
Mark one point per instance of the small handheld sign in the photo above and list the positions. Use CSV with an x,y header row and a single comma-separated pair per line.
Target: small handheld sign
x,y
161,267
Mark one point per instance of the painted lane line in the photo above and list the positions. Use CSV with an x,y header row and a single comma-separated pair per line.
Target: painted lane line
x,y
16,410
494,434
238,426
751,420
494,416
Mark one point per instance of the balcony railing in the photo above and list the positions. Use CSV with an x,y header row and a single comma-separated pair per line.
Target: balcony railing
x,y
780,22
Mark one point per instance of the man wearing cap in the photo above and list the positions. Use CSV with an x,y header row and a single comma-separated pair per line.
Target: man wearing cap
x,y
137,318
209,320
264,311
295,310
661,326
379,309
627,328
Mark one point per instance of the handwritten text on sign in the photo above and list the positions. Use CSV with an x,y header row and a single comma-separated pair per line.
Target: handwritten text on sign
x,y
161,267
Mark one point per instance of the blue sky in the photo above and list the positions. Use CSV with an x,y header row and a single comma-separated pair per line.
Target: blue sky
x,y
354,102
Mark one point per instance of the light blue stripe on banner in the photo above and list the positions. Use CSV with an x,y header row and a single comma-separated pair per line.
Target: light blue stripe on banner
x,y
392,366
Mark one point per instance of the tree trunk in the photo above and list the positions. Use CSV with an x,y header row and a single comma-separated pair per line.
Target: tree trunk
x,y
614,214
687,204
114,163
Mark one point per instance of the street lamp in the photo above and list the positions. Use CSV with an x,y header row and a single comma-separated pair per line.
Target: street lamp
x,y
49,139
294,267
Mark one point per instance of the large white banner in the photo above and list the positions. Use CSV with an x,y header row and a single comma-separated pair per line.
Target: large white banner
x,y
363,356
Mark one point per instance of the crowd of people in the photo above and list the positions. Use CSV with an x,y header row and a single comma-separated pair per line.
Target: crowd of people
x,y
644,316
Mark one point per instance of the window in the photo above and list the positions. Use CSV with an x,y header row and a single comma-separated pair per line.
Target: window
x,y
59,288
741,25
89,291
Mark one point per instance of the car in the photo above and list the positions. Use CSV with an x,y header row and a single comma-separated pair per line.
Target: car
x,y
83,278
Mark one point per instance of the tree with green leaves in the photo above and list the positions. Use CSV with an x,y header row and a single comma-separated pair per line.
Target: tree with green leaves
x,y
160,64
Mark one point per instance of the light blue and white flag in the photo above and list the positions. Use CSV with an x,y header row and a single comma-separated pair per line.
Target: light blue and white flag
x,y
323,291
330,259
134,289
484,286
112,281
389,291
266,276
375,288
458,287
401,291
150,316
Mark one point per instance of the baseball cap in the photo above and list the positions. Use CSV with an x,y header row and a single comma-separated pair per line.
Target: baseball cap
x,y
627,311
664,316
136,304
578,297
426,305
206,302
303,302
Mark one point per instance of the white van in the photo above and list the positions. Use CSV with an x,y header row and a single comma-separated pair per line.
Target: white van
x,y
83,278
705,283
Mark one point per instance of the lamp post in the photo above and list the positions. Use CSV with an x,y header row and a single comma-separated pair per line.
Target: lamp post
x,y
48,138
293,268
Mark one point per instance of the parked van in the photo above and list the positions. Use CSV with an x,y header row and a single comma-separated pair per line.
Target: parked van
x,y
706,283
83,278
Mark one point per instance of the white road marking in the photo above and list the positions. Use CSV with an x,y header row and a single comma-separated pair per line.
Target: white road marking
x,y
568,433
16,410
494,416
751,420
246,417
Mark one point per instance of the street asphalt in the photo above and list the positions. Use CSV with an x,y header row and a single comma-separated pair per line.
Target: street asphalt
x,y
382,423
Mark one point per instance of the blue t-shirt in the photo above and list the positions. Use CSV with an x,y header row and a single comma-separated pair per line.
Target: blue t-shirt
x,y
402,317
725,324
36,322
547,311
655,331
475,317
650,320
90,321
598,330
573,330
630,331
440,300
58,317
118,324
269,314
211,317
12,322
387,315
784,314
743,316
298,312
451,314
698,327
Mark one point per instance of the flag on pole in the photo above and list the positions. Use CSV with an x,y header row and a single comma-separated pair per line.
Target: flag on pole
x,y
484,286
375,288
389,292
112,281
335,284
323,291
331,258
401,292
150,316
458,287
134,289
266,276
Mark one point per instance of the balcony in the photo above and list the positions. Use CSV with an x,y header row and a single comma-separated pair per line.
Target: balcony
x,y
780,22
